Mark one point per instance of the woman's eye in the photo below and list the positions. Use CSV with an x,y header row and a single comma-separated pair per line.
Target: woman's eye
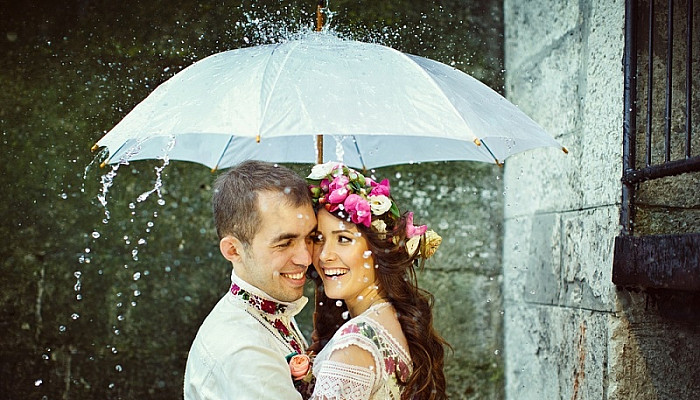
x,y
344,239
316,238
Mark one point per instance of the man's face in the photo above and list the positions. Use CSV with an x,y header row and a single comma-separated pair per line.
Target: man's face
x,y
277,258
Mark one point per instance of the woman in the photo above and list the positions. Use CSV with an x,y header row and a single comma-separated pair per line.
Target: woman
x,y
364,260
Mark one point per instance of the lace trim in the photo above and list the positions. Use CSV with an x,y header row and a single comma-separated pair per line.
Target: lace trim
x,y
340,381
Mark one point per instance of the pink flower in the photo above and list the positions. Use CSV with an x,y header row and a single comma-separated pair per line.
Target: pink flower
x,y
338,189
340,181
381,188
338,196
412,230
359,210
299,366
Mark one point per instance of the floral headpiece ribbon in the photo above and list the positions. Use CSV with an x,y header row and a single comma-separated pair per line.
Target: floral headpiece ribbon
x,y
363,201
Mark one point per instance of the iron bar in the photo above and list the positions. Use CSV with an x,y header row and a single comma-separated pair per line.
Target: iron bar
x,y
670,168
650,82
630,116
688,77
669,83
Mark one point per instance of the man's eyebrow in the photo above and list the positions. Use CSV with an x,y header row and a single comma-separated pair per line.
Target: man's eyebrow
x,y
284,236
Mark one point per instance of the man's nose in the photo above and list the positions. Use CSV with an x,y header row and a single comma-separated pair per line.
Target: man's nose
x,y
303,254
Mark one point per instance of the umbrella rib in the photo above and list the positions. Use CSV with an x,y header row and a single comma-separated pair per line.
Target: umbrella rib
x,y
221,156
359,154
274,84
490,152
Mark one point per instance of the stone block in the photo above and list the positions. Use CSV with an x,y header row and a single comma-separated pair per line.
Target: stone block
x,y
532,259
602,110
532,26
587,248
554,352
543,180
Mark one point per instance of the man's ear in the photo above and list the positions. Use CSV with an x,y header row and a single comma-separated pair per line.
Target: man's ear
x,y
231,248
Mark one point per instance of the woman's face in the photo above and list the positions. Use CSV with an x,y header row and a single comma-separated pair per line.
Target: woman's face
x,y
343,260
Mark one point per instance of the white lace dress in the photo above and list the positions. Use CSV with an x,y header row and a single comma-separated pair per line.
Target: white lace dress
x,y
336,381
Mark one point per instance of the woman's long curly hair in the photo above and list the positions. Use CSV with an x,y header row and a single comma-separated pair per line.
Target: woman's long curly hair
x,y
398,284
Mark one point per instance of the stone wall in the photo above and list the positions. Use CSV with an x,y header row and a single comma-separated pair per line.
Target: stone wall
x,y
569,333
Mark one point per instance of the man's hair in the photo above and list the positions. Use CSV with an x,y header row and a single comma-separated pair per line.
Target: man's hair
x,y
235,197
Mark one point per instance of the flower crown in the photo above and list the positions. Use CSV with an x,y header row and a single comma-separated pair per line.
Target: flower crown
x,y
363,201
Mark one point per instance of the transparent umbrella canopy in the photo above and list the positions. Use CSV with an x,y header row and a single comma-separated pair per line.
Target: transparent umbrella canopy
x,y
271,102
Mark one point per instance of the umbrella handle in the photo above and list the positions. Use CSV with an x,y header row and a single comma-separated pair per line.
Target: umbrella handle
x,y
319,15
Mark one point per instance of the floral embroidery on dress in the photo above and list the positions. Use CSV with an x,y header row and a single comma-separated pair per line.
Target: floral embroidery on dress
x,y
394,365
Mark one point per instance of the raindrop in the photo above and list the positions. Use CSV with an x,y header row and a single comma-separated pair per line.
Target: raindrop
x,y
45,356
137,293
339,303
360,297
95,234
77,274
64,196
62,328
120,317
142,241
118,368
75,316
38,382
161,202
346,314
367,254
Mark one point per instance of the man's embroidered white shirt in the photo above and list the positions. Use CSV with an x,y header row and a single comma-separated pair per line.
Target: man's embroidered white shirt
x,y
238,353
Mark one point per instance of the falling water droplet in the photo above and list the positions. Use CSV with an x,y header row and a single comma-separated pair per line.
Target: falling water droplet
x,y
38,382
95,234
338,303
346,314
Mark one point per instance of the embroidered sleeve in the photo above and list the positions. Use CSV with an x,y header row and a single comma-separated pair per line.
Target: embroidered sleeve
x,y
340,381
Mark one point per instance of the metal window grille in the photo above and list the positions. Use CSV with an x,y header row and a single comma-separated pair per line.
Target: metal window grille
x,y
652,32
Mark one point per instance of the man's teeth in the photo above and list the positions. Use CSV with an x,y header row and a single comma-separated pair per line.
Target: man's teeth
x,y
335,272
298,275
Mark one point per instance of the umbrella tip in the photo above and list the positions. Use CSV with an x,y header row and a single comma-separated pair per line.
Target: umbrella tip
x,y
214,169
257,139
102,164
478,143
500,164
94,147
565,150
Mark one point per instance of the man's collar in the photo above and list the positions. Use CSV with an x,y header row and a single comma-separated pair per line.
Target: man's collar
x,y
262,301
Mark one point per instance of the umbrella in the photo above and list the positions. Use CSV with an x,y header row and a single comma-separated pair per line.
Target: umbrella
x,y
269,102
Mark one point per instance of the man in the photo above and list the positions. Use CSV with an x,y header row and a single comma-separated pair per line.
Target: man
x,y
264,219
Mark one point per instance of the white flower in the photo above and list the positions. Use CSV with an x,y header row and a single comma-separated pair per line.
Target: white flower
x,y
412,244
320,171
379,204
379,225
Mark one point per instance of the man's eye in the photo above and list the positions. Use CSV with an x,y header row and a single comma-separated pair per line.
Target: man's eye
x,y
316,238
284,244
